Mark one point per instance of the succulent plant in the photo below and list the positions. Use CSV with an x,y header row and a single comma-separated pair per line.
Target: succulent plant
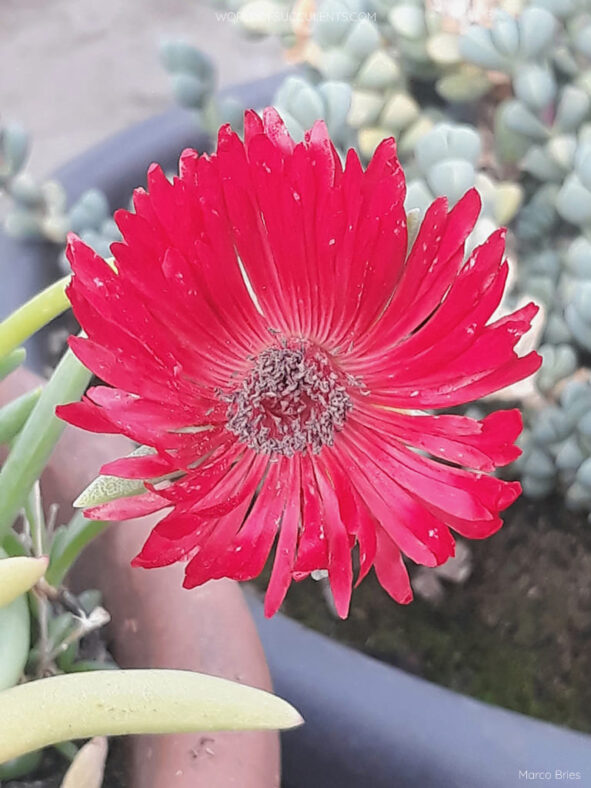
x,y
193,82
573,201
301,103
261,18
39,210
511,45
557,448
191,72
578,310
14,148
447,158
428,43
551,145
36,209
91,218
347,46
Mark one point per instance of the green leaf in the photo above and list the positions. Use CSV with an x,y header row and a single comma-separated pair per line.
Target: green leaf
x,y
89,599
67,749
84,665
116,702
36,313
13,545
35,442
68,543
19,767
65,660
64,634
465,84
15,639
10,362
14,414
59,627
107,488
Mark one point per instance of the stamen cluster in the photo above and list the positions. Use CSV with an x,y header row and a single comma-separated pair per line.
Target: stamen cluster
x,y
291,401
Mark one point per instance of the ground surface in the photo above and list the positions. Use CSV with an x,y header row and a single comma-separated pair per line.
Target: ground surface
x,y
75,71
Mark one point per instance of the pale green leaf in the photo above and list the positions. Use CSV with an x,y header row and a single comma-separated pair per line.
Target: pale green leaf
x,y
110,703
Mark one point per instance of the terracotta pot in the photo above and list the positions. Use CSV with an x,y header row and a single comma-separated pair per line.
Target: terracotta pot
x,y
157,623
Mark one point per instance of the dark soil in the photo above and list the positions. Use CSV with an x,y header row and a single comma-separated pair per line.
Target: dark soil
x,y
49,774
517,633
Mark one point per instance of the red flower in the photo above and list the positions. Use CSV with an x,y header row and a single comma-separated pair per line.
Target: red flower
x,y
270,335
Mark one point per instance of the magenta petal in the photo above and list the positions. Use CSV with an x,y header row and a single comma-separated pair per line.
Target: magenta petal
x,y
312,551
127,508
390,570
340,572
172,540
286,546
147,467
249,550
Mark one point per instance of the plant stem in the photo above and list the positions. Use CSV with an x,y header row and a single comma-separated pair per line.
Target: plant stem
x,y
84,626
67,749
36,521
33,315
14,414
68,543
36,441
43,624
10,362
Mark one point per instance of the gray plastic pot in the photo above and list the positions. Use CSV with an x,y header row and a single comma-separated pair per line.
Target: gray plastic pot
x,y
367,724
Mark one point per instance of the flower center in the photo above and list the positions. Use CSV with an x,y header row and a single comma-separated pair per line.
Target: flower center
x,y
291,401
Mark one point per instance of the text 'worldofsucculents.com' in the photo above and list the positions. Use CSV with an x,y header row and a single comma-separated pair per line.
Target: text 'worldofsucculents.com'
x,y
294,16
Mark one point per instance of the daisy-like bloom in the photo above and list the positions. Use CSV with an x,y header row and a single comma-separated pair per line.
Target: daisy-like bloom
x,y
274,339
